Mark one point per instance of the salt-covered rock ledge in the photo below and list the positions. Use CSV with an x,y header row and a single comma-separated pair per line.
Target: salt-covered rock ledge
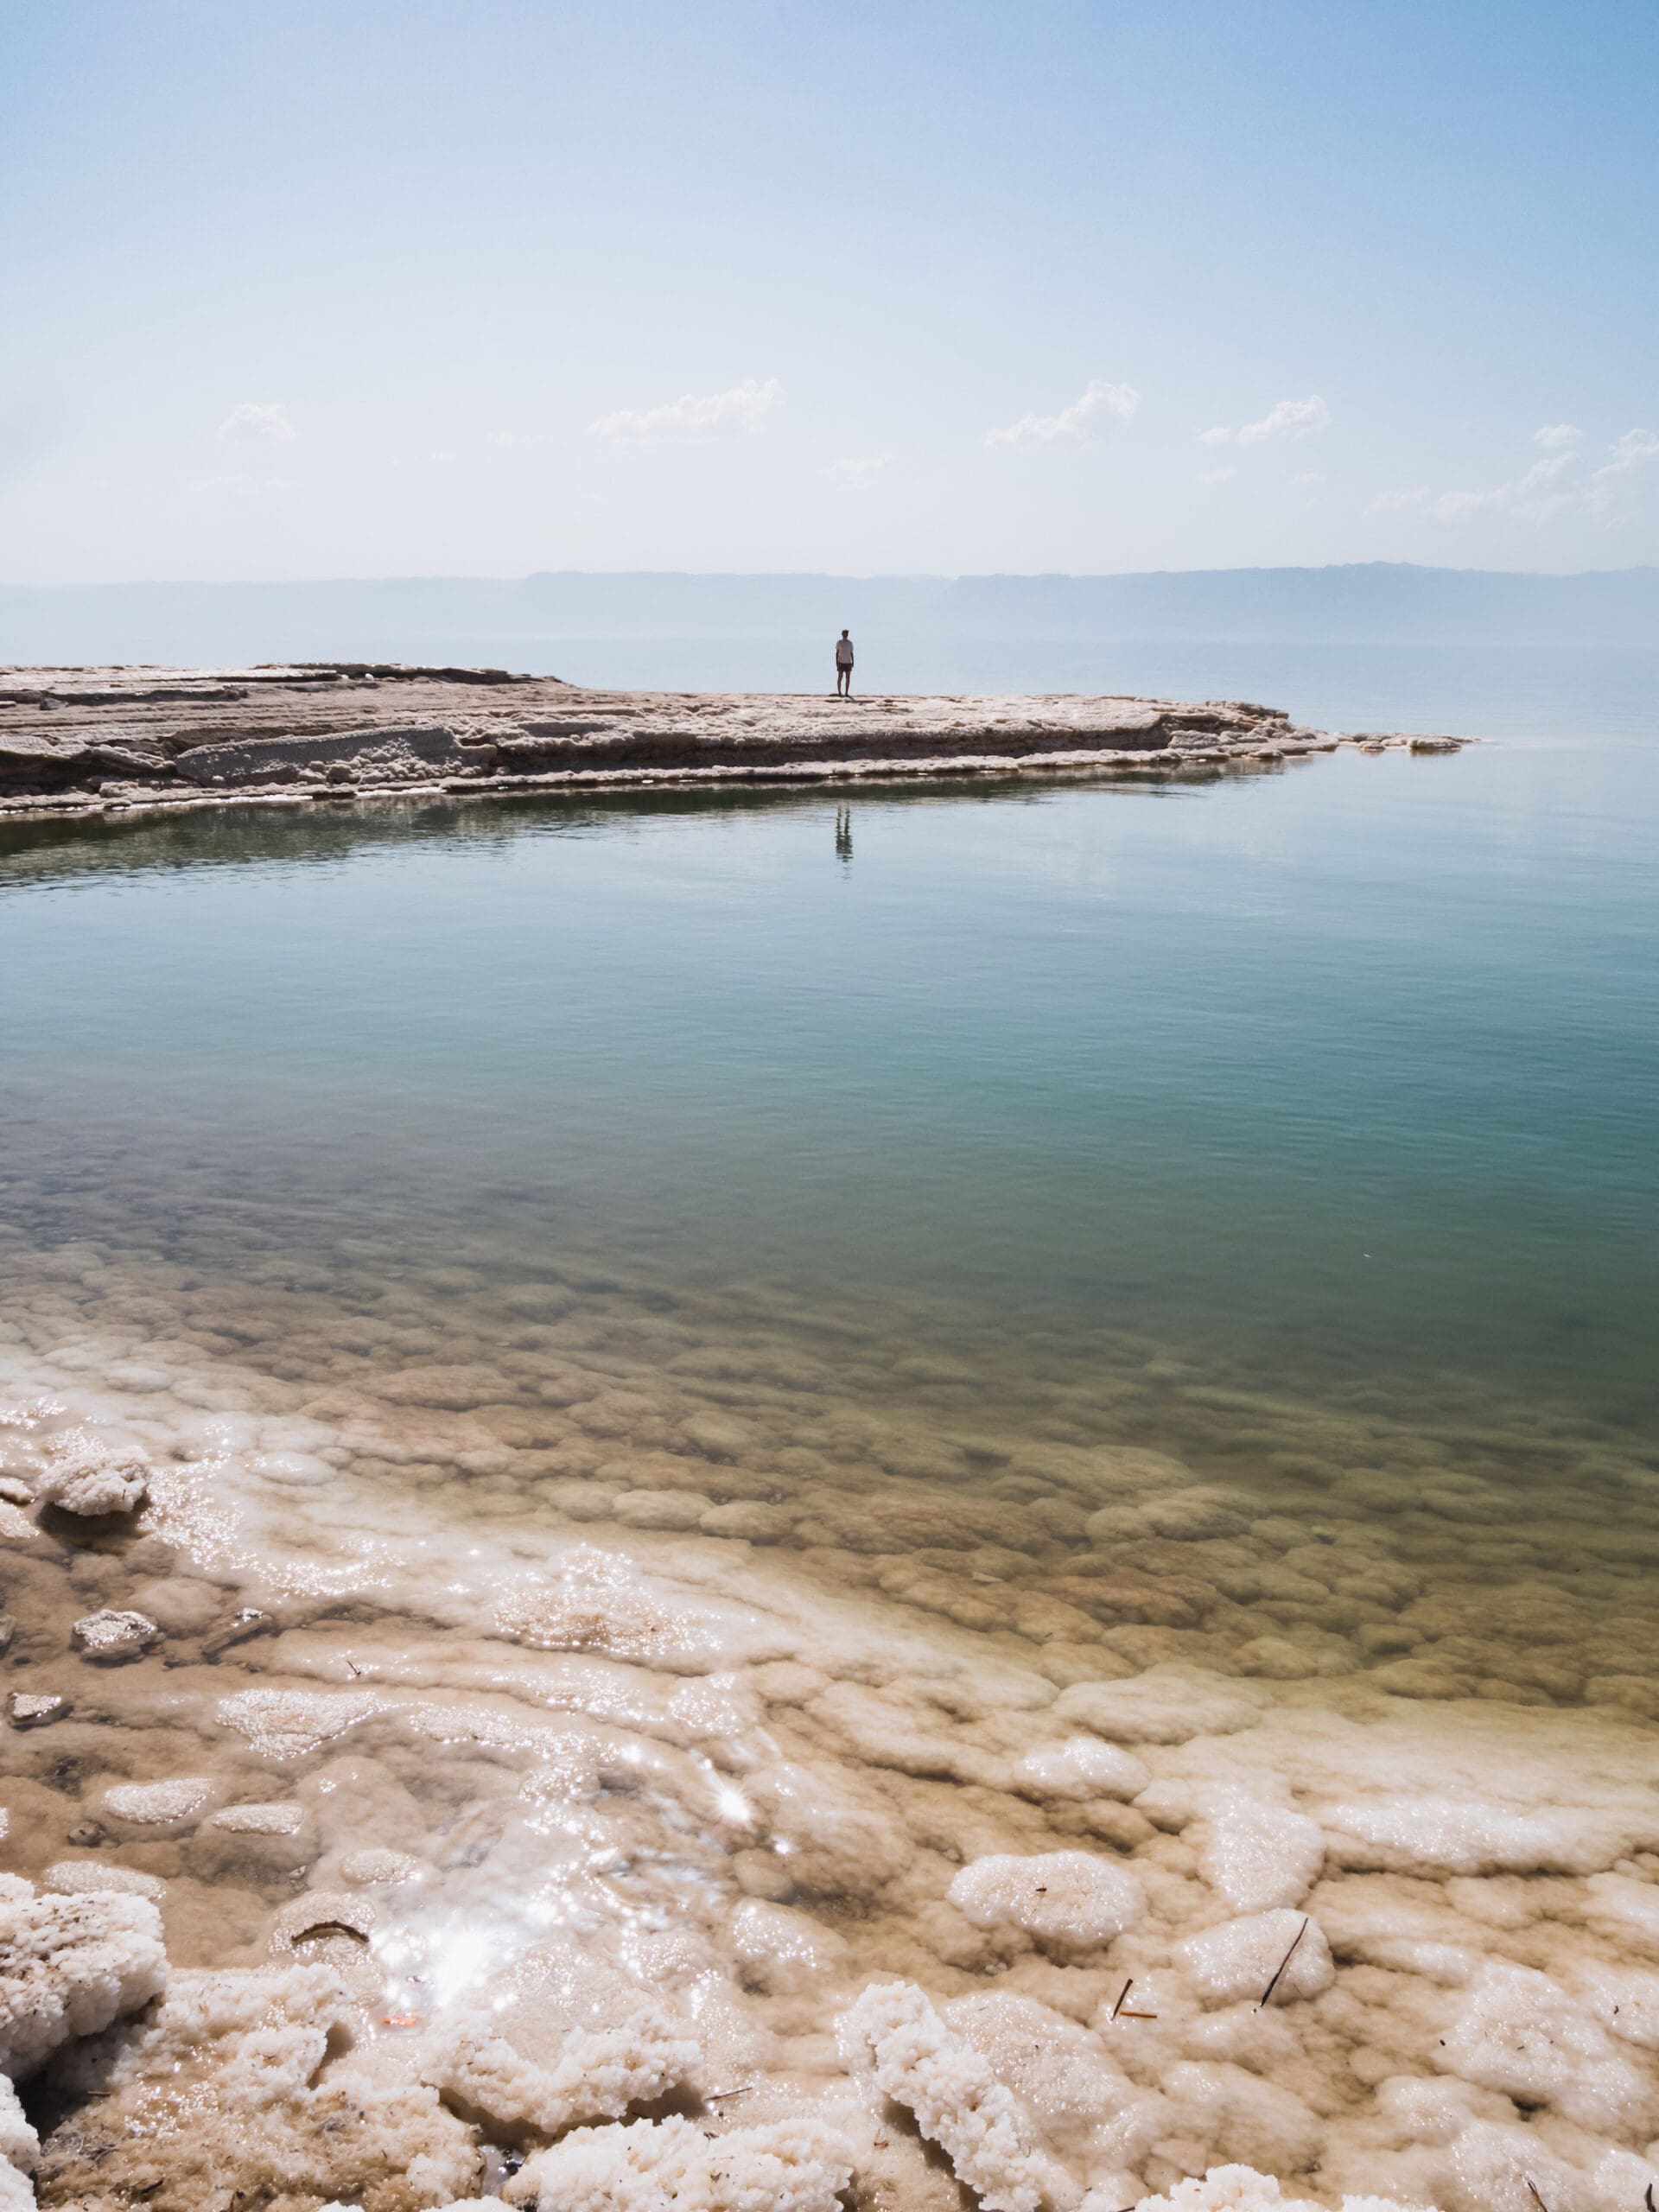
x,y
78,739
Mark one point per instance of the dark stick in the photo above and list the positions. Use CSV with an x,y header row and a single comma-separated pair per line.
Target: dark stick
x,y
1121,1994
1283,1963
1539,2200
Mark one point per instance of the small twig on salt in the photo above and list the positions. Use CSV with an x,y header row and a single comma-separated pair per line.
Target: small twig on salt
x,y
353,1669
1283,1963
719,2096
1539,2200
1121,1994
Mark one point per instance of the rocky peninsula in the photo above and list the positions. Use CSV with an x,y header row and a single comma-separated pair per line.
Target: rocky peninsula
x,y
108,739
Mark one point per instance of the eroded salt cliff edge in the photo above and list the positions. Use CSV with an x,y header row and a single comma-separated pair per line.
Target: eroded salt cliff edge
x,y
76,739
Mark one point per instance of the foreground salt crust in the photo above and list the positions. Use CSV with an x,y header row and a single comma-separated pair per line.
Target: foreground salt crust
x,y
89,1475
1239,2189
68,1967
560,1626
790,2165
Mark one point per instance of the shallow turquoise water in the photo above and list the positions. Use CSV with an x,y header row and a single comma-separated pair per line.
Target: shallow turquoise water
x,y
1339,1078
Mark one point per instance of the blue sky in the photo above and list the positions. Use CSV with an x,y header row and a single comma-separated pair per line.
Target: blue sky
x,y
372,287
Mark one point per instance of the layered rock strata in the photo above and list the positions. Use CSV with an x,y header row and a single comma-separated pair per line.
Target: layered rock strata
x,y
109,739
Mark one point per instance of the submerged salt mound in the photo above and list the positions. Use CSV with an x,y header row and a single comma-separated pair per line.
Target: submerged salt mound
x,y
1165,1704
1458,1835
163,1807
231,2084
1071,1898
1283,1951
1521,2033
893,2036
84,1475
1257,1855
1062,2074
562,2039
1081,1767
71,1878
1240,2189
69,1965
114,1634
781,2165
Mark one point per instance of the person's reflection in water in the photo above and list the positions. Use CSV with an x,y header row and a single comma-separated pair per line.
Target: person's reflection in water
x,y
844,832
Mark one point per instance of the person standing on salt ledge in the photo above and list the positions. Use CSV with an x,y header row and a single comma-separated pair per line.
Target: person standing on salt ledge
x,y
844,666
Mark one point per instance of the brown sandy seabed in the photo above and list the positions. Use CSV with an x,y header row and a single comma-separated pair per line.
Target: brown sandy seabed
x,y
109,740
693,1644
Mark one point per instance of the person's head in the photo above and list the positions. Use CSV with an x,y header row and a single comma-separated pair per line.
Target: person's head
x,y
843,634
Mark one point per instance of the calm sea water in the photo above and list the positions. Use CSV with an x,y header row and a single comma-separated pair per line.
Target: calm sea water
x,y
1338,1079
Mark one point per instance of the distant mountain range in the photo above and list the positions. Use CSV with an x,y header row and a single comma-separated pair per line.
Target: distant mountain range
x,y
522,622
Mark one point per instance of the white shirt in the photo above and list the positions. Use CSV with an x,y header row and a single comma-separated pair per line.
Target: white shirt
x,y
843,652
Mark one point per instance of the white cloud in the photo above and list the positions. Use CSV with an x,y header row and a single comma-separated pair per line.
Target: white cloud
x,y
1309,476
1531,497
249,423
858,472
712,414
1291,418
1632,451
1072,425
1557,434
1554,484
1215,475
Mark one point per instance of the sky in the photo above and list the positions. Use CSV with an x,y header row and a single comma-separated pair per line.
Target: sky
x,y
300,288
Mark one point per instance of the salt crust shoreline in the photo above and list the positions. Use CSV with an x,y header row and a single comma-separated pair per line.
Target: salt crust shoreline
x,y
634,1806
113,742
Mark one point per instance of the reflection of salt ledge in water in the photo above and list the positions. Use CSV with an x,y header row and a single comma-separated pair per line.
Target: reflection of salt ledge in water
x,y
637,1660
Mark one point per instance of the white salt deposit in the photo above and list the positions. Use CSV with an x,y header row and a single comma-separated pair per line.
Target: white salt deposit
x,y
560,2040
894,2036
672,1680
259,1820
233,2071
788,2165
1062,1896
1166,1705
119,1634
68,1967
1456,1836
35,1708
19,2147
1239,2189
72,1877
170,1804
366,1869
1244,1958
1519,2033
1257,1855
85,1474
1080,1767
